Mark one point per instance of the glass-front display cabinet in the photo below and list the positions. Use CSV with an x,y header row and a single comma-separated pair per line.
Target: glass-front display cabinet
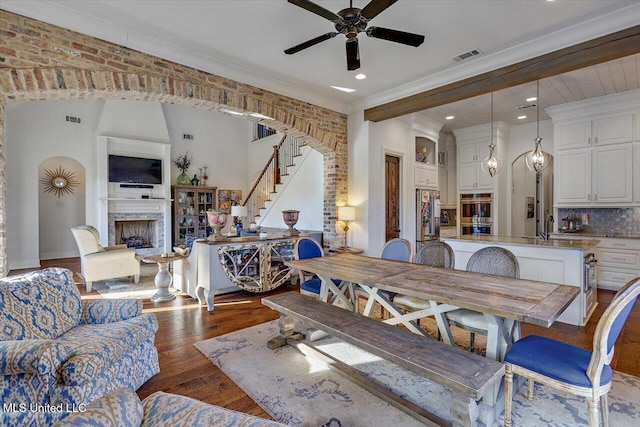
x,y
190,206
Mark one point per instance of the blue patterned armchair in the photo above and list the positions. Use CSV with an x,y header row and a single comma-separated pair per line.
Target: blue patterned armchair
x,y
58,351
123,408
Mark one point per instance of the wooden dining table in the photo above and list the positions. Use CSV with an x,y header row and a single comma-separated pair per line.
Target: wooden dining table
x,y
505,302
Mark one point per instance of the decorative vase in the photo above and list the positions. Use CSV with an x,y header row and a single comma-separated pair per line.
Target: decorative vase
x,y
217,221
290,218
183,179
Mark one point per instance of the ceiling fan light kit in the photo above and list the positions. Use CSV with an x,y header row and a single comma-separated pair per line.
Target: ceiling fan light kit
x,y
350,22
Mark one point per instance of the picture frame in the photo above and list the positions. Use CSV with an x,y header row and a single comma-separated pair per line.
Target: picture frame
x,y
530,208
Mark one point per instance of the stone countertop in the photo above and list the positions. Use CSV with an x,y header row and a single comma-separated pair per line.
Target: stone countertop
x,y
583,235
577,244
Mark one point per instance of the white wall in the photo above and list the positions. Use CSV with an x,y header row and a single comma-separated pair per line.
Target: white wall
x,y
521,141
358,185
302,191
36,131
57,214
220,142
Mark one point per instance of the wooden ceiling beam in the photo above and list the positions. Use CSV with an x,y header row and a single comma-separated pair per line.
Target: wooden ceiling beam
x,y
612,46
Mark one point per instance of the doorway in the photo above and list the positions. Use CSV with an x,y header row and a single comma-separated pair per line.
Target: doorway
x,y
392,196
531,197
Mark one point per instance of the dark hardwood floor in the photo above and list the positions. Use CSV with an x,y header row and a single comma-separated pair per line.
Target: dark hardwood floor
x,y
184,370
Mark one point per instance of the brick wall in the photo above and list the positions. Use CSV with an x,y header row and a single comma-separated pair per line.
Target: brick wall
x,y
39,61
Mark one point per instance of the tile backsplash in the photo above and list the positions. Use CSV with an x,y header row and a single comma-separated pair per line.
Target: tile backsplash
x,y
606,220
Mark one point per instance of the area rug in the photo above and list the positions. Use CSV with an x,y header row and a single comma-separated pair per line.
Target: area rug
x,y
302,391
124,287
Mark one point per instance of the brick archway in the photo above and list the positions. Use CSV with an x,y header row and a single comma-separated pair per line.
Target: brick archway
x,y
39,61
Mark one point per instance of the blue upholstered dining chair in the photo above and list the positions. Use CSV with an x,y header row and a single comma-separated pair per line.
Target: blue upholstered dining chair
x,y
572,369
306,247
435,254
397,249
492,260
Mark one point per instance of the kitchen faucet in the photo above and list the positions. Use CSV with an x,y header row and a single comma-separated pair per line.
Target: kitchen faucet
x,y
544,233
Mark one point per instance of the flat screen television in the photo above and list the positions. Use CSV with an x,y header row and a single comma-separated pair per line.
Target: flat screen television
x,y
135,170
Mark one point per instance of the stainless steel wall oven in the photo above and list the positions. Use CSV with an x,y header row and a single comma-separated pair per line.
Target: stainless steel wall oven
x,y
476,210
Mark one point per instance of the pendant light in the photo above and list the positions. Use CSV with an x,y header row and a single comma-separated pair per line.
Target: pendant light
x,y
538,160
492,165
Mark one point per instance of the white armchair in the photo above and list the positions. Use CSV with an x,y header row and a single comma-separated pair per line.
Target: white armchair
x,y
100,263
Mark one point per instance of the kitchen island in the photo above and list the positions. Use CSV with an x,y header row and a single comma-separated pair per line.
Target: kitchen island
x,y
556,260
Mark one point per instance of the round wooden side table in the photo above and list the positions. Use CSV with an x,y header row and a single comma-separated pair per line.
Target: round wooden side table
x,y
163,278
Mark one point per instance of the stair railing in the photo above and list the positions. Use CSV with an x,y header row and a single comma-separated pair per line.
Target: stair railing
x,y
276,167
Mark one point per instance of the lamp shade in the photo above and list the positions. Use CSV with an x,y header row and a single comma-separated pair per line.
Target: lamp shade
x,y
346,213
239,211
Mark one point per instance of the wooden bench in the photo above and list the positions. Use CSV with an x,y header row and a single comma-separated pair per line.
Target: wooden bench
x,y
468,375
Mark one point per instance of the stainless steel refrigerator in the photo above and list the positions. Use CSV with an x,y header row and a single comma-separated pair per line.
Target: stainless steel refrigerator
x,y
427,216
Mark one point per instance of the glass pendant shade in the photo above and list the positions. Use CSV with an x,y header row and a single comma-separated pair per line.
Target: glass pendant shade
x,y
492,165
538,160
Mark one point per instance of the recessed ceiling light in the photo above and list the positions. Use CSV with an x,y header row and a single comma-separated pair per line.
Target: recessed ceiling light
x,y
361,76
450,117
344,89
533,98
522,117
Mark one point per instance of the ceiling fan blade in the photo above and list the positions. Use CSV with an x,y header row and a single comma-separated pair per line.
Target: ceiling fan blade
x,y
353,55
375,7
410,39
318,10
310,43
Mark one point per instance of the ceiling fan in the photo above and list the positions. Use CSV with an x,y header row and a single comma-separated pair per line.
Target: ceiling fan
x,y
352,21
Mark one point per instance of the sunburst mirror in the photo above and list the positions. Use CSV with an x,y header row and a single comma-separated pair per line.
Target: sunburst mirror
x,y
59,181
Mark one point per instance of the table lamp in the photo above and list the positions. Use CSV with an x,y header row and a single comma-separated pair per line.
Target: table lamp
x,y
238,212
346,214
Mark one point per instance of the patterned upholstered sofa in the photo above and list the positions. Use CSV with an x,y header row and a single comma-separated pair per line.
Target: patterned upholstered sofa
x,y
122,408
58,351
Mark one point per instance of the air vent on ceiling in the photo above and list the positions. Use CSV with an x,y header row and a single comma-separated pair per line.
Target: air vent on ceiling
x,y
524,107
465,55
72,119
187,136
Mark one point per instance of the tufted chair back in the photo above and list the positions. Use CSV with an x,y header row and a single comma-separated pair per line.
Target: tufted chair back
x,y
39,305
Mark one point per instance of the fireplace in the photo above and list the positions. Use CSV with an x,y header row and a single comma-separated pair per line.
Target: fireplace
x,y
138,234
141,231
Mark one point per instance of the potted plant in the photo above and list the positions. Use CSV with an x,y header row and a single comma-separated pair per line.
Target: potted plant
x,y
183,162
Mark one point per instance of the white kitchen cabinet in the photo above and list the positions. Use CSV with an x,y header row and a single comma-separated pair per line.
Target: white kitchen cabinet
x,y
573,135
613,130
426,176
600,131
618,262
470,175
598,176
573,176
443,186
452,187
468,153
612,178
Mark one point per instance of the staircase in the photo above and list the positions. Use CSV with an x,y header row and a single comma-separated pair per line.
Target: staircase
x,y
270,181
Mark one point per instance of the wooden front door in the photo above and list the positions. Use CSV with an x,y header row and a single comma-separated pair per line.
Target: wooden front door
x,y
392,197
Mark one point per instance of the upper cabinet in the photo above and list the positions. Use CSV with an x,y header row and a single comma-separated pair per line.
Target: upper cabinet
x,y
595,158
470,175
426,166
